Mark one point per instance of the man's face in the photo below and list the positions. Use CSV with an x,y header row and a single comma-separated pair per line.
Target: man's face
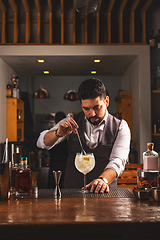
x,y
95,109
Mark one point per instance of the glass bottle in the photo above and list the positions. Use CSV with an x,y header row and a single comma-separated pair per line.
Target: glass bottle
x,y
18,90
14,89
158,39
14,170
24,179
150,158
9,90
151,39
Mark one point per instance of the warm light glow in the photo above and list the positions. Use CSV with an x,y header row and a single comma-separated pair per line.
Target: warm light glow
x,y
97,60
40,60
46,72
93,72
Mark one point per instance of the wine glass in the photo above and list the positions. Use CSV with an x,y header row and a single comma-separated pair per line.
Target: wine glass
x,y
84,164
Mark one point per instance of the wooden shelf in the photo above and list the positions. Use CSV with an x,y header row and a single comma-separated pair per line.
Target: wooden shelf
x,y
15,119
156,134
155,91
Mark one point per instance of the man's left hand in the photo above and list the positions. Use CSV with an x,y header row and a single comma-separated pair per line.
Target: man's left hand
x,y
98,185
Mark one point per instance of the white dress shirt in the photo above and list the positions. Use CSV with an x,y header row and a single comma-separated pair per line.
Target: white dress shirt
x,y
93,136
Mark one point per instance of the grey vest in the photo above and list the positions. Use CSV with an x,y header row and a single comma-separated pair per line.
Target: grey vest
x,y
73,178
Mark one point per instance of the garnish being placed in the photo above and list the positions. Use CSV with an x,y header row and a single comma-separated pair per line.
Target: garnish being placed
x,y
86,158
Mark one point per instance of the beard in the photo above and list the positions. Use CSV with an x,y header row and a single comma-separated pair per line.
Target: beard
x,y
95,122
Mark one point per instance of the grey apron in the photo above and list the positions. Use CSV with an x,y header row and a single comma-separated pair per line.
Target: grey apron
x,y
73,178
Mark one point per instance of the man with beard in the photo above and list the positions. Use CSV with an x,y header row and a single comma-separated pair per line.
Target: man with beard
x,y
107,137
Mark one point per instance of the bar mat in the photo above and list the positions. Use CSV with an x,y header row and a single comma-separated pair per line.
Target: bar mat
x,y
75,193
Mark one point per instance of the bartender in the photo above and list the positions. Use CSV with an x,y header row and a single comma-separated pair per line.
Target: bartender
x,y
107,137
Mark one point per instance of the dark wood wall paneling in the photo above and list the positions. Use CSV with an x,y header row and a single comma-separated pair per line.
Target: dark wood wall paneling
x,y
57,22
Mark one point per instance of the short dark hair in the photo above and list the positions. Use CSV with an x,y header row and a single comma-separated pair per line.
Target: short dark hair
x,y
92,88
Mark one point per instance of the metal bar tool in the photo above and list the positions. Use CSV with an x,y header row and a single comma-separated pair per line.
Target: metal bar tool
x,y
57,176
83,151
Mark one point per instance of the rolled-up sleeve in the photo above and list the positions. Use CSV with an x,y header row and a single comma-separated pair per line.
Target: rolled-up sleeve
x,y
120,150
40,141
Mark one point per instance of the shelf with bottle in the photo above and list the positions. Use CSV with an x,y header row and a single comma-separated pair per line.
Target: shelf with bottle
x,y
156,126
154,41
13,89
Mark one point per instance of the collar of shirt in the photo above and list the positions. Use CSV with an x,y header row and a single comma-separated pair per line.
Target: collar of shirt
x,y
100,126
93,134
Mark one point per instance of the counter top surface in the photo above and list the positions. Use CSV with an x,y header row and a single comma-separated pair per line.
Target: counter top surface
x,y
94,215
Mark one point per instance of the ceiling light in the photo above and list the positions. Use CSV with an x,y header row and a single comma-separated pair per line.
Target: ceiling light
x,y
40,60
93,72
46,72
97,60
41,92
71,95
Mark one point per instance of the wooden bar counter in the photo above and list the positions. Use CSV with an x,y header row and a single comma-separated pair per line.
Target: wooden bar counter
x,y
79,218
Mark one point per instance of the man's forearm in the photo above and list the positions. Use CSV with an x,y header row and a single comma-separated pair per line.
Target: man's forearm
x,y
50,138
109,174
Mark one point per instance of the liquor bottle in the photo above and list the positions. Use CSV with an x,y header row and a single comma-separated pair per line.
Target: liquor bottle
x,y
24,179
14,89
150,158
14,170
18,90
151,39
158,39
9,90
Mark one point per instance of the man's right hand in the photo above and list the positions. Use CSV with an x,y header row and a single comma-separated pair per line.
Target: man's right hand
x,y
67,127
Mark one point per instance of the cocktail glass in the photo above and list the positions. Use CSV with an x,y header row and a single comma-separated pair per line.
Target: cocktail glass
x,y
84,164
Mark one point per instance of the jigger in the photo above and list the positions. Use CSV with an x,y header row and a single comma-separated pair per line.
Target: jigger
x,y
57,176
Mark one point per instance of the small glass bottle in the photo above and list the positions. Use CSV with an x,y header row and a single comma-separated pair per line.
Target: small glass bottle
x,y
9,90
24,179
18,90
14,170
151,39
14,89
150,158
